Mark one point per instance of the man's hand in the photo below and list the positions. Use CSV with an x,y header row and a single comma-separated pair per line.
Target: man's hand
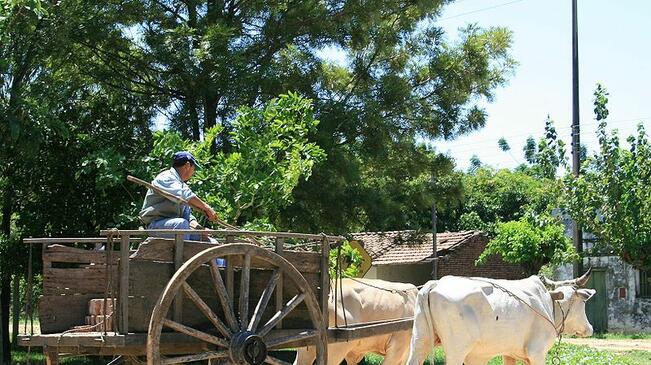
x,y
199,204
210,213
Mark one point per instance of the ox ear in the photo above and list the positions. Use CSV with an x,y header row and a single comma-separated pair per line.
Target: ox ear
x,y
583,280
557,295
586,294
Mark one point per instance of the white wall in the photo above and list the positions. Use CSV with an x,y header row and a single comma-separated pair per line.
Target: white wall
x,y
628,314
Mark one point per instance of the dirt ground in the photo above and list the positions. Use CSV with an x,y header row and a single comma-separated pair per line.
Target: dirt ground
x,y
612,345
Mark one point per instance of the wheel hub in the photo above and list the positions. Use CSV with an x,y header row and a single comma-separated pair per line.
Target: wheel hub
x,y
247,348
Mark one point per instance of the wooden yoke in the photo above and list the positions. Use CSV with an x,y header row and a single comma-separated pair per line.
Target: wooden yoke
x,y
180,200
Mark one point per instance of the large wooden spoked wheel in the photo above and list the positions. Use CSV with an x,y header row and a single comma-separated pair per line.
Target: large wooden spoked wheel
x,y
237,338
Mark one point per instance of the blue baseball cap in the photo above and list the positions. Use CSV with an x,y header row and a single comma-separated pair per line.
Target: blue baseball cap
x,y
183,156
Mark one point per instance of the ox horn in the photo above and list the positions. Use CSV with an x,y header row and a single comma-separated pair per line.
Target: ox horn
x,y
583,280
548,282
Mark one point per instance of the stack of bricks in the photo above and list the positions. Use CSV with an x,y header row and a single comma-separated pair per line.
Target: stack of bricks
x,y
96,314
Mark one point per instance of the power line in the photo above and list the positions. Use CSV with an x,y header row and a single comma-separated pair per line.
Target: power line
x,y
587,140
584,132
479,10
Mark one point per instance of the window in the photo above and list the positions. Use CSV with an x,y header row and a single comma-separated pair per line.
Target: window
x,y
645,283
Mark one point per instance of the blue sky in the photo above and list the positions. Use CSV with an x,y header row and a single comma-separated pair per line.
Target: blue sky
x,y
614,49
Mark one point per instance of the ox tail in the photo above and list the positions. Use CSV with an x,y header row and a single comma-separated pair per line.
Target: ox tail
x,y
423,336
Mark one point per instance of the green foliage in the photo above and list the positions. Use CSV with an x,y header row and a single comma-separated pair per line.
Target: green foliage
x,y
600,102
345,260
547,156
503,144
531,243
518,208
494,196
530,150
611,199
269,156
569,355
475,164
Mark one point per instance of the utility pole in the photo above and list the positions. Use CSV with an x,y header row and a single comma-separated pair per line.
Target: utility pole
x,y
435,262
577,234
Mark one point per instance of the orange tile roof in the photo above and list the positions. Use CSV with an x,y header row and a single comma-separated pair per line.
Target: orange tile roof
x,y
405,247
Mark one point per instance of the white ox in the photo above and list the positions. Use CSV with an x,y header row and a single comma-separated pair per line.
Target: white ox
x,y
476,319
368,300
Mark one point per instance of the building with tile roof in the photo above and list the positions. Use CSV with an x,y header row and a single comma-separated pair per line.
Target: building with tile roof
x,y
407,256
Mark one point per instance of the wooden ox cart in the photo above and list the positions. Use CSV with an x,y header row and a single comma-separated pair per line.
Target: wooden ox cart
x,y
174,301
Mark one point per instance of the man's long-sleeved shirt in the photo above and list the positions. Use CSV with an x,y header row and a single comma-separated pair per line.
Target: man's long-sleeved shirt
x,y
157,206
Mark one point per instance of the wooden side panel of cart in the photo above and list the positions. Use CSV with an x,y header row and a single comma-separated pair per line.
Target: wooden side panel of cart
x,y
73,276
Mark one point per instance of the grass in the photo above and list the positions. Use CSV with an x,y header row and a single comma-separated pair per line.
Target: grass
x,y
34,358
568,355
623,336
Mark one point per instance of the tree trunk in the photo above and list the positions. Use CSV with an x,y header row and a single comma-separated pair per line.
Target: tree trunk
x,y
5,277
194,117
15,310
5,301
210,110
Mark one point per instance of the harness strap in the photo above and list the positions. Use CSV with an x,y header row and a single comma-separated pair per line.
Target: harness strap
x,y
558,330
385,289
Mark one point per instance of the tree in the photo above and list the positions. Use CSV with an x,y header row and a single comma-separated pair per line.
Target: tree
x,y
611,198
54,115
504,144
530,150
519,209
24,26
491,197
269,156
531,242
475,164
371,131
404,82
546,157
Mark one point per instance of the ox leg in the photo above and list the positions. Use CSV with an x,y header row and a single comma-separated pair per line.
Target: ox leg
x,y
537,360
421,343
337,352
397,350
507,360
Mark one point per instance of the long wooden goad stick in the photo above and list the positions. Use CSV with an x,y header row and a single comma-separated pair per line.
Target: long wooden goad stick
x,y
180,200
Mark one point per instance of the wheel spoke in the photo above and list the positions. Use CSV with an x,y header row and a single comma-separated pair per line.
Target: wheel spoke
x,y
230,283
279,342
296,300
205,309
194,333
225,300
275,361
244,292
195,357
264,300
